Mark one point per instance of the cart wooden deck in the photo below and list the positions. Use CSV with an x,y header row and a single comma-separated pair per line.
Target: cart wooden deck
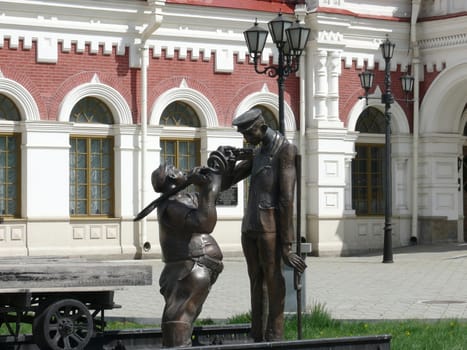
x,y
63,299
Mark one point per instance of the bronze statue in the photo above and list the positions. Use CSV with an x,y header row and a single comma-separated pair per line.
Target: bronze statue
x,y
193,260
267,227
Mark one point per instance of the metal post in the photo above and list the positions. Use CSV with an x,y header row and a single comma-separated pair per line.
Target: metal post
x,y
298,275
387,99
366,80
281,87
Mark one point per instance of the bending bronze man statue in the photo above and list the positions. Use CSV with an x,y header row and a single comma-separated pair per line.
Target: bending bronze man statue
x,y
267,227
193,260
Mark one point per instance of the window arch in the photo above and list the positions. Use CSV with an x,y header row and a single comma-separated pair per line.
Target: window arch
x,y
8,109
371,121
91,163
367,166
23,100
399,120
179,114
269,100
112,98
200,104
91,110
10,171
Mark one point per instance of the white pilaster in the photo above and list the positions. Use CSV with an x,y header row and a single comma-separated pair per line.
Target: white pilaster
x,y
321,85
438,176
334,68
45,162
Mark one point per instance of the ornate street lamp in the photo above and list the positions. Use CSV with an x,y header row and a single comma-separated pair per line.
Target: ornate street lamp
x,y
290,39
407,85
255,38
387,49
366,81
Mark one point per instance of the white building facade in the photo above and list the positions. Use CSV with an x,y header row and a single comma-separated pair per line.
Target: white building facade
x,y
94,95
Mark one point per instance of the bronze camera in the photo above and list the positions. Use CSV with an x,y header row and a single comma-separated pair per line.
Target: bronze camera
x,y
220,159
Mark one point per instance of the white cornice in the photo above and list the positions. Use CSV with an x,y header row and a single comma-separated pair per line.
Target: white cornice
x,y
107,23
388,8
81,15
444,41
359,38
207,32
432,8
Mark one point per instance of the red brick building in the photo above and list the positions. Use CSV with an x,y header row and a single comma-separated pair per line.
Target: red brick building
x,y
93,95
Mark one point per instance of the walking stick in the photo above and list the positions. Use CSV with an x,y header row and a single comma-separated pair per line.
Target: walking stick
x,y
297,274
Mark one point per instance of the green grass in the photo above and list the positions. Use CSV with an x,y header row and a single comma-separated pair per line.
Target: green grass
x,y
317,323
406,335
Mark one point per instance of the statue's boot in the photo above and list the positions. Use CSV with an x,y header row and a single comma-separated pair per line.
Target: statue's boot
x,y
274,335
176,334
275,328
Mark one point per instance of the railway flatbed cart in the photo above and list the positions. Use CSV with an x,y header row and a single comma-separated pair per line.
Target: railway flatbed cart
x,y
63,299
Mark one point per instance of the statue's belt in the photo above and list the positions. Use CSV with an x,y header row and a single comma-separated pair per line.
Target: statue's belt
x,y
199,251
213,264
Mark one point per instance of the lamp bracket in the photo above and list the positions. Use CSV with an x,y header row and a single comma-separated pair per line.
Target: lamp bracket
x,y
406,100
289,67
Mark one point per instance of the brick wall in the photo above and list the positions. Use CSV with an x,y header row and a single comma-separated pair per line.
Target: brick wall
x,y
49,83
224,90
350,89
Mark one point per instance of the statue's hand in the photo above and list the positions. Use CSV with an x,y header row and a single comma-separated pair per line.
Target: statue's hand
x,y
229,153
199,176
295,261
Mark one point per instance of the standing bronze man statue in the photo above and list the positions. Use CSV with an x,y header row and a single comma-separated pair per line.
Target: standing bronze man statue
x,y
267,227
193,260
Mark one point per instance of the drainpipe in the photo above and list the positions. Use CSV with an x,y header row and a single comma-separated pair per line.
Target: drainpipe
x,y
155,22
416,116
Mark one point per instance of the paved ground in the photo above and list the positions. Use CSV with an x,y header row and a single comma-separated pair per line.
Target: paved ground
x,y
424,282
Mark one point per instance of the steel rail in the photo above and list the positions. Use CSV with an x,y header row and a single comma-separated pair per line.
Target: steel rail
x,y
217,337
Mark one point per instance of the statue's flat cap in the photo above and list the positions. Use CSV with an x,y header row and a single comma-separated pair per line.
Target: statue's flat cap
x,y
158,177
247,119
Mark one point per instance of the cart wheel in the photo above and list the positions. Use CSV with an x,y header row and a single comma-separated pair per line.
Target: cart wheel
x,y
64,325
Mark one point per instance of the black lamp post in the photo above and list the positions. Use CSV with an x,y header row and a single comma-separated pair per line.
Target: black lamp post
x,y
290,39
387,48
366,81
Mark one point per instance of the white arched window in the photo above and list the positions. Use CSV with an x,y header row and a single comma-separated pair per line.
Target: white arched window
x,y
184,115
91,162
367,166
94,109
10,170
182,152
